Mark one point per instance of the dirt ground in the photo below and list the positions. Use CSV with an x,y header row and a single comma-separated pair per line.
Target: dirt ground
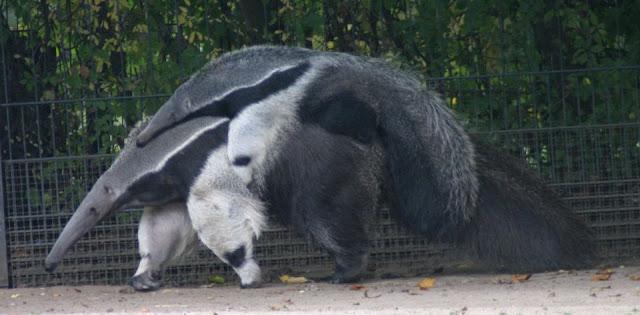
x,y
546,293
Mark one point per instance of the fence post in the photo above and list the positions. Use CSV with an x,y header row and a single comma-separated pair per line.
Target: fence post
x,y
4,262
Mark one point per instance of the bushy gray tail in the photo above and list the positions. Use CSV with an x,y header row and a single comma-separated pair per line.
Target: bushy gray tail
x,y
520,224
431,164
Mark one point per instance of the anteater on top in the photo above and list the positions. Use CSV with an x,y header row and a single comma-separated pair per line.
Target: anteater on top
x,y
269,93
439,180
303,121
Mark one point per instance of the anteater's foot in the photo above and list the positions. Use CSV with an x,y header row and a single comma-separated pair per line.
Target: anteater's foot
x,y
145,282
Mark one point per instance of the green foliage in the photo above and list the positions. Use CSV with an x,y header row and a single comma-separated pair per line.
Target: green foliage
x,y
84,49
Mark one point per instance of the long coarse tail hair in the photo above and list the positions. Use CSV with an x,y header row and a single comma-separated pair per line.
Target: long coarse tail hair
x,y
520,224
431,164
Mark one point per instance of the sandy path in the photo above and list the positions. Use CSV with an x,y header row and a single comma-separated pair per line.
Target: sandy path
x,y
547,293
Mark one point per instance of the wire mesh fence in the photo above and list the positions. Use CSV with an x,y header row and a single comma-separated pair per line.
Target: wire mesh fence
x,y
41,201
596,167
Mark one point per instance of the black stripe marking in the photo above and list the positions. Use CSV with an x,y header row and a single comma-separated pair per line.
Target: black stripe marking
x,y
233,104
237,257
174,180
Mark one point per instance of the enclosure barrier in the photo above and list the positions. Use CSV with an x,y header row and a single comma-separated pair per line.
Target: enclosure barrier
x,y
578,129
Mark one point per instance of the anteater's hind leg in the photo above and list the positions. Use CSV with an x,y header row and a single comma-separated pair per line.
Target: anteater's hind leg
x,y
328,186
339,227
164,234
350,259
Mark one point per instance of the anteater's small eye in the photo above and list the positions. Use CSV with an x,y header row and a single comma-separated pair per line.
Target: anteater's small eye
x,y
108,190
242,160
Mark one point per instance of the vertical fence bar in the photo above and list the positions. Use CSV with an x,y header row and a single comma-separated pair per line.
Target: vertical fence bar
x,y
4,261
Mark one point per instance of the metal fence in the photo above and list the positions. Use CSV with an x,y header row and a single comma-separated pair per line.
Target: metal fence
x,y
594,165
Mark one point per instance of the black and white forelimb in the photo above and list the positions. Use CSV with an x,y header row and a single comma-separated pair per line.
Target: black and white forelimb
x,y
165,234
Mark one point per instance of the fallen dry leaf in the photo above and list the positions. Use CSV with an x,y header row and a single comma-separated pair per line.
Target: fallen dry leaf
x,y
520,277
356,287
293,280
606,271
635,277
15,296
602,275
427,283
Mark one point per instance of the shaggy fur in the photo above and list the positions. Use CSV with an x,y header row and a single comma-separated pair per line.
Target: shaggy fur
x,y
329,190
521,225
429,156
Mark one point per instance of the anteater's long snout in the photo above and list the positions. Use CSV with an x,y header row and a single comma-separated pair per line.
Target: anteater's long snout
x,y
95,206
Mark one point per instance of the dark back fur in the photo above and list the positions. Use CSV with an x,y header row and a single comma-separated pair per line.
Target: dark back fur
x,y
322,180
520,224
429,157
